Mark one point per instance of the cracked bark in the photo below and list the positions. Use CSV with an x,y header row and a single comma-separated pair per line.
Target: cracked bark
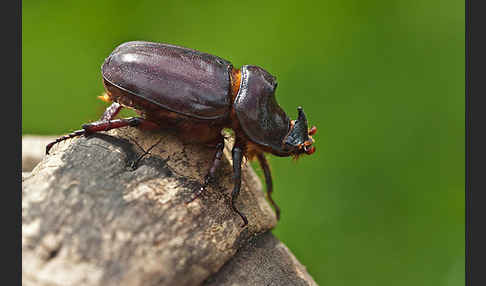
x,y
90,218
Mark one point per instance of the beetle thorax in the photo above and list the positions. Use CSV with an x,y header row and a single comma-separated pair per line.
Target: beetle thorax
x,y
257,111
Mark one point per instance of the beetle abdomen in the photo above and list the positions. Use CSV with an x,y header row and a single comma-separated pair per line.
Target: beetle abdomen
x,y
178,79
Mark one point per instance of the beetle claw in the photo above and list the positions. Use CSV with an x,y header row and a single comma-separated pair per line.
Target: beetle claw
x,y
243,217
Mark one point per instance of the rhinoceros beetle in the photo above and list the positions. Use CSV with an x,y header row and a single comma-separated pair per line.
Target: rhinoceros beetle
x,y
199,95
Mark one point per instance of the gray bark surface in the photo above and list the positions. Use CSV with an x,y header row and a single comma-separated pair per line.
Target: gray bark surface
x,y
264,260
89,217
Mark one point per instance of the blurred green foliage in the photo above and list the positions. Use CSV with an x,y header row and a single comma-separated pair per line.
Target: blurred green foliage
x,y
381,202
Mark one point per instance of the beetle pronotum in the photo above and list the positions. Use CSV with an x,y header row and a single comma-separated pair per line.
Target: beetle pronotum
x,y
198,95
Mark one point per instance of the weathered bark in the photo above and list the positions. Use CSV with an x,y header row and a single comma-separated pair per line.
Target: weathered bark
x,y
89,217
262,261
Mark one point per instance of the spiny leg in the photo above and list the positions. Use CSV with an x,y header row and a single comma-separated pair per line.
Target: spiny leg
x,y
268,181
65,137
218,156
98,126
237,155
110,113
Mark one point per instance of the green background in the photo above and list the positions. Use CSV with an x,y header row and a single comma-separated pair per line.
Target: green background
x,y
381,202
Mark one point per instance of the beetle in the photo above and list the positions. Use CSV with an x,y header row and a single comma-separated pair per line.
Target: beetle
x,y
199,95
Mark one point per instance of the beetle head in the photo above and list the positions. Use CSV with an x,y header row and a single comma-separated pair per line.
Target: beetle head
x,y
299,140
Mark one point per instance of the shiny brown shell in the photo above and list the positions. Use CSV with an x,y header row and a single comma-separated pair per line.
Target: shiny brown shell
x,y
258,112
178,79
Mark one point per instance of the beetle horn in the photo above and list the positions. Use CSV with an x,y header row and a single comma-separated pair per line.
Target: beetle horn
x,y
299,133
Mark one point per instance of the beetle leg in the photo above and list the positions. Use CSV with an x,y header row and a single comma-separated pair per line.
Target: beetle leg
x,y
65,137
268,181
216,163
212,171
98,126
237,155
111,111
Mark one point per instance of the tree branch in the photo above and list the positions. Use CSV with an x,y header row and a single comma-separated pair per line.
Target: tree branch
x,y
90,218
